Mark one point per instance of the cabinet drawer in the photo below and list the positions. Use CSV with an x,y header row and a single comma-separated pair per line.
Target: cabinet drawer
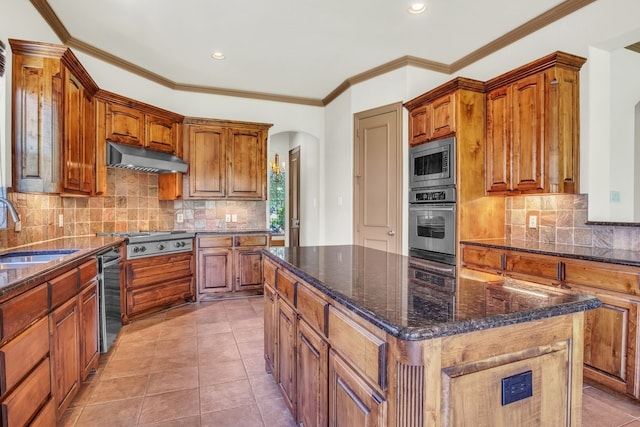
x,y
26,400
63,287
165,294
215,242
285,284
46,417
251,240
311,307
88,271
604,276
20,311
157,270
269,270
364,350
20,355
540,266
484,258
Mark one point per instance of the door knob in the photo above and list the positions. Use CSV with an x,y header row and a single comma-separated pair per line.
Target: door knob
x,y
391,233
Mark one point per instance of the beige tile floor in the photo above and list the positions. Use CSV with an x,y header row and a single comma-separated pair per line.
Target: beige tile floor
x,y
201,365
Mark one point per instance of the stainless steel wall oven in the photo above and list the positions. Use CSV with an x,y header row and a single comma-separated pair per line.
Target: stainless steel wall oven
x,y
432,224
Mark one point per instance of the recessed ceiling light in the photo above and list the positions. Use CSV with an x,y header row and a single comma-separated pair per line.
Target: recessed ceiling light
x,y
217,55
417,8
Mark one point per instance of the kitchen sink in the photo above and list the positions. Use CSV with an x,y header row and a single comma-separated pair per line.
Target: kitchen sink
x,y
27,259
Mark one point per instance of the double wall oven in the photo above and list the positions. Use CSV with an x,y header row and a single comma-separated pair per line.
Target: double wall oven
x,y
432,201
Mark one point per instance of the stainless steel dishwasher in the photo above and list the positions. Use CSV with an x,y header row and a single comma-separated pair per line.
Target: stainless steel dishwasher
x,y
109,283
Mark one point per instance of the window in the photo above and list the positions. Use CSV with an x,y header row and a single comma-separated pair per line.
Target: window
x,y
277,201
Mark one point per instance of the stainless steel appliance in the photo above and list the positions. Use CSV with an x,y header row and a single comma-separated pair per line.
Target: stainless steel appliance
x,y
433,164
432,224
145,244
109,297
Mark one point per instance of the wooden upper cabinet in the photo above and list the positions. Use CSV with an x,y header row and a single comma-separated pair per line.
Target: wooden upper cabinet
x,y
207,161
134,123
247,160
226,159
432,120
79,137
161,133
52,123
125,125
532,143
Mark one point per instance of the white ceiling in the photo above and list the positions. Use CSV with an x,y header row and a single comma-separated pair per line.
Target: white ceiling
x,y
299,48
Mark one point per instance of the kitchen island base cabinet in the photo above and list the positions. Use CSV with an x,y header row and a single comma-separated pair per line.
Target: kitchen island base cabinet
x,y
331,362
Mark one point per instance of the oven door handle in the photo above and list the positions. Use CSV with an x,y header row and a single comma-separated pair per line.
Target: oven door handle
x,y
427,207
112,262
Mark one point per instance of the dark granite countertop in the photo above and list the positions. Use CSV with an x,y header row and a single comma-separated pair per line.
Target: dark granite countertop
x,y
378,286
17,280
611,256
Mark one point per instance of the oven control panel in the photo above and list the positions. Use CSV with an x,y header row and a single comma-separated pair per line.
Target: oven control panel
x,y
157,248
435,195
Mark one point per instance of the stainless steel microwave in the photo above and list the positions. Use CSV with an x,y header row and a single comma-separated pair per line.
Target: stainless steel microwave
x,y
433,164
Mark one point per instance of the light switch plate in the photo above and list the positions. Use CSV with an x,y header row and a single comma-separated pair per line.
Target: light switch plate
x,y
179,218
234,218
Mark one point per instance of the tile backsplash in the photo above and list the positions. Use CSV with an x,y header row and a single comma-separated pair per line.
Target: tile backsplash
x,y
131,205
561,218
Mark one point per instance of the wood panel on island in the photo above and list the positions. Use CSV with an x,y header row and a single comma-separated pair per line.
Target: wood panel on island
x,y
611,332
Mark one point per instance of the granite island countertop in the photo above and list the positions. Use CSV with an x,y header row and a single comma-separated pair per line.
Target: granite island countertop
x,y
611,256
382,288
17,280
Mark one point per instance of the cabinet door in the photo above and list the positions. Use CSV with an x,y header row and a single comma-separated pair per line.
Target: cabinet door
x,y
65,354
528,115
89,332
37,130
215,270
270,313
247,164
610,341
285,368
161,133
248,269
419,125
443,116
207,161
352,402
311,376
125,125
79,137
498,160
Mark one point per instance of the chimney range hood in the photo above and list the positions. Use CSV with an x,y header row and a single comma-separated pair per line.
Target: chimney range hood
x,y
126,157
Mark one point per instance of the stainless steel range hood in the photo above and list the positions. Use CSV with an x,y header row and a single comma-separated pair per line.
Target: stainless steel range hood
x,y
126,157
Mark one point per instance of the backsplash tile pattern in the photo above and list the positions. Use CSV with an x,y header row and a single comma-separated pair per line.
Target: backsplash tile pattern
x,y
131,204
561,218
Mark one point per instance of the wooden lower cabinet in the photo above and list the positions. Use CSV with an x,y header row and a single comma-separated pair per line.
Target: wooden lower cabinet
x,y
229,264
156,283
611,331
312,364
610,341
352,402
89,330
215,270
65,354
285,369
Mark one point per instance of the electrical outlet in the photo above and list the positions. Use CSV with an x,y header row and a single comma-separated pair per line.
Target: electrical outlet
x,y
533,221
179,218
517,387
60,220
227,218
234,218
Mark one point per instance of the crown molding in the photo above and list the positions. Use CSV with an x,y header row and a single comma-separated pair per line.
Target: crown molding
x,y
560,11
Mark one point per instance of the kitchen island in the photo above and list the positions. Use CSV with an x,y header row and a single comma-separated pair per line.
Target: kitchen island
x,y
356,336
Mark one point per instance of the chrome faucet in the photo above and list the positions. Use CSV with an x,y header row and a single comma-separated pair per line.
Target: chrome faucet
x,y
13,212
